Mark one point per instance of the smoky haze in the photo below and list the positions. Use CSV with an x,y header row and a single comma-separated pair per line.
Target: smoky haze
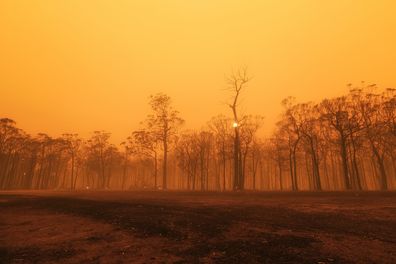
x,y
73,66
197,131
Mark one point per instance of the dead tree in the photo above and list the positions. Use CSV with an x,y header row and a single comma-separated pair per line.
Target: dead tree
x,y
237,81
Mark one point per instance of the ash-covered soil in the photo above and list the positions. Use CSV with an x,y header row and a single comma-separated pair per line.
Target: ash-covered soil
x,y
181,227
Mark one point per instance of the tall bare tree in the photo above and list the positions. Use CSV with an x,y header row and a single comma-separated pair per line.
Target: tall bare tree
x,y
237,82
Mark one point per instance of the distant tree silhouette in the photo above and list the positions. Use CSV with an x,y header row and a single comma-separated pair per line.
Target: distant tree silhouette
x,y
335,113
163,123
290,125
221,127
187,153
342,143
146,143
249,125
72,144
100,153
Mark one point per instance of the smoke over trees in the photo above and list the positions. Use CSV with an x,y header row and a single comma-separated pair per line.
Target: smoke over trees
x,y
342,143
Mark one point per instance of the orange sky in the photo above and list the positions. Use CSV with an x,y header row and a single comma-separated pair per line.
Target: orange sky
x,y
79,66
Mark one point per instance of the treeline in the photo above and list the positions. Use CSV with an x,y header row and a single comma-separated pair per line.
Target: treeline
x,y
343,143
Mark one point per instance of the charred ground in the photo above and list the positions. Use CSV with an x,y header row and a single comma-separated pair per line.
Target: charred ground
x,y
180,227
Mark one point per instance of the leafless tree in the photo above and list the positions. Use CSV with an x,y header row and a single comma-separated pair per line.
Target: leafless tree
x,y
237,82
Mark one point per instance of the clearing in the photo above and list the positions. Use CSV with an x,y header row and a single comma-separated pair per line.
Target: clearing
x,y
198,227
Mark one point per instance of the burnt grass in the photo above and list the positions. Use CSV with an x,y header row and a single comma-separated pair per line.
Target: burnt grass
x,y
224,227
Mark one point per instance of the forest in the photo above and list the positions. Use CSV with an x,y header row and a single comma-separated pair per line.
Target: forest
x,y
342,143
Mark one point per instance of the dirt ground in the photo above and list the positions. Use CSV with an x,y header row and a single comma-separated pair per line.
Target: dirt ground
x,y
181,227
